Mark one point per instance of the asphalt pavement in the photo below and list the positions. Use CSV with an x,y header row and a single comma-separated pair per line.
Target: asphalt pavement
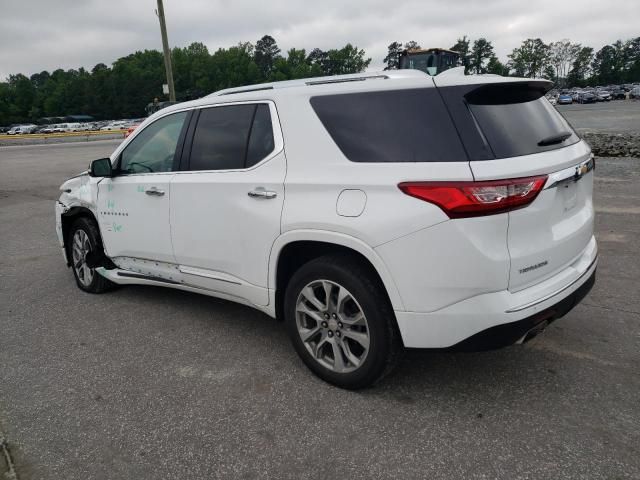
x,y
152,383
615,116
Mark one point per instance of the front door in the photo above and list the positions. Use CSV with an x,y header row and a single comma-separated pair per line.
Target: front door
x,y
133,206
226,206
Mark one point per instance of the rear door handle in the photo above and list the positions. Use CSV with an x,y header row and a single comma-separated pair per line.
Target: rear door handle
x,y
153,191
262,193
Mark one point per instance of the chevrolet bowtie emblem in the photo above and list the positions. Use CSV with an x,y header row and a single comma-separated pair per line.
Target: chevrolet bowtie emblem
x,y
581,170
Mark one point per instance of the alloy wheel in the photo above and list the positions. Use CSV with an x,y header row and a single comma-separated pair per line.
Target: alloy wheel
x,y
332,326
81,246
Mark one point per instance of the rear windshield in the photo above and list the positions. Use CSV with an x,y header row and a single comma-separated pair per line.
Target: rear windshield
x,y
510,119
391,126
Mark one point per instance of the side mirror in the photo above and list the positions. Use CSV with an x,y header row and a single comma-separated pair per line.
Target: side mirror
x,y
101,168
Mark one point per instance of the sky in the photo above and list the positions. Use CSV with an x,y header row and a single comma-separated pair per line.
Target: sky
x,y
38,35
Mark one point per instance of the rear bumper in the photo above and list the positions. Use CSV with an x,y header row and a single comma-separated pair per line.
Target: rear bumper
x,y
525,329
500,318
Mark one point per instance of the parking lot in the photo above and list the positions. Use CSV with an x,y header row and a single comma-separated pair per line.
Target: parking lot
x,y
616,116
148,383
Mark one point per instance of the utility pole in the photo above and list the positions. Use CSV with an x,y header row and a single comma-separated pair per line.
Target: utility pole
x,y
167,52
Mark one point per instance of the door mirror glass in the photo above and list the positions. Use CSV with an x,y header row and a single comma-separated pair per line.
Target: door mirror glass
x,y
101,168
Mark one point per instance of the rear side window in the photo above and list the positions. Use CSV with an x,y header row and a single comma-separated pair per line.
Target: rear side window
x,y
231,137
509,119
261,137
391,126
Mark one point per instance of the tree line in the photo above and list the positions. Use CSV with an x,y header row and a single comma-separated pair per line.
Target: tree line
x,y
123,89
564,62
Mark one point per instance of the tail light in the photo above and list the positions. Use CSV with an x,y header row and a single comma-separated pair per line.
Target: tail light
x,y
475,199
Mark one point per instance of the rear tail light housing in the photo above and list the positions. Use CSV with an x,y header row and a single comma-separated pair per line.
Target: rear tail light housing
x,y
476,199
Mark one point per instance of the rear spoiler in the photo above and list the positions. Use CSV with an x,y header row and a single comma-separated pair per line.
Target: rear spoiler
x,y
501,93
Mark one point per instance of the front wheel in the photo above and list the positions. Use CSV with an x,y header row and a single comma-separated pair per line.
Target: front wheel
x,y
341,322
84,239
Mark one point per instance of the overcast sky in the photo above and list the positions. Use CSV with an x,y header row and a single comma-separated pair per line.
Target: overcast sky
x,y
38,35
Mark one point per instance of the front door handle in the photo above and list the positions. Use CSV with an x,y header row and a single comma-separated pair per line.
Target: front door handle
x,y
154,192
262,193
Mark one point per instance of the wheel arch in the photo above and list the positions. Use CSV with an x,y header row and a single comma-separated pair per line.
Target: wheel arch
x,y
292,249
68,218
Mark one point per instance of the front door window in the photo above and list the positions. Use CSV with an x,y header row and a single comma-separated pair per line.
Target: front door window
x,y
154,148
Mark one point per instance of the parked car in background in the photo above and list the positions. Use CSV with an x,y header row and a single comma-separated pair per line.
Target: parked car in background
x,y
420,212
22,129
49,129
618,94
131,129
77,127
586,97
603,95
565,99
117,125
635,92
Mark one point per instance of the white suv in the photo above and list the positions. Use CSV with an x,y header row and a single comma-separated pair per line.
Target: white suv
x,y
368,212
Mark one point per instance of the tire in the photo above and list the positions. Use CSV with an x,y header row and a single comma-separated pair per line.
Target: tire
x,y
346,278
83,238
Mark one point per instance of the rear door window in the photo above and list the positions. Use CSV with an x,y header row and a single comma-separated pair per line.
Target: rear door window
x,y
221,136
231,137
261,142
391,126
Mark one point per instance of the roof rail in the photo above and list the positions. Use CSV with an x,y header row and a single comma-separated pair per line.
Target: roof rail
x,y
343,80
244,90
304,82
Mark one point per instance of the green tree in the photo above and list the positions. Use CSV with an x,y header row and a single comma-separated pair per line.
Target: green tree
x,y
412,45
496,67
561,56
24,95
632,60
265,55
393,56
530,59
481,53
348,59
609,63
318,59
463,48
580,68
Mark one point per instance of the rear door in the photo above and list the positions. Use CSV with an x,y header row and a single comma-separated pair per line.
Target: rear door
x,y
512,131
227,202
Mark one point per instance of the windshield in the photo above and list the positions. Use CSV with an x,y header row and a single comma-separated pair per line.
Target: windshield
x,y
426,62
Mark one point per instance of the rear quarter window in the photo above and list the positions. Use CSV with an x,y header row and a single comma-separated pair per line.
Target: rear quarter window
x,y
390,126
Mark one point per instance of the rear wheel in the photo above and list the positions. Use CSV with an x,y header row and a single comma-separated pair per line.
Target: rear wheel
x,y
341,322
84,239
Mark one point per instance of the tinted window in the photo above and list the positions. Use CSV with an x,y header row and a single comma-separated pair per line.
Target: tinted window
x,y
507,120
220,139
153,149
391,126
261,139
